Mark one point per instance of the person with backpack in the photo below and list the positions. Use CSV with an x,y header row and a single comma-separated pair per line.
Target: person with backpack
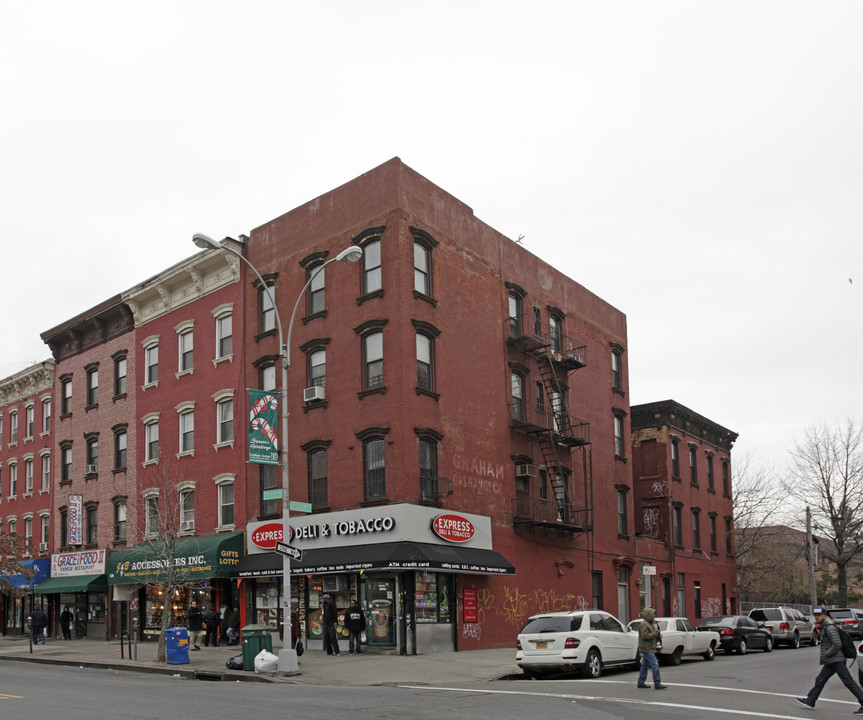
x,y
832,659
211,624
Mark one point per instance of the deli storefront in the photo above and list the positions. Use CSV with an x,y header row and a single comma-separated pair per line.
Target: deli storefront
x,y
401,562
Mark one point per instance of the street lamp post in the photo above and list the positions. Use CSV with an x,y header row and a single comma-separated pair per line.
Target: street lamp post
x,y
287,655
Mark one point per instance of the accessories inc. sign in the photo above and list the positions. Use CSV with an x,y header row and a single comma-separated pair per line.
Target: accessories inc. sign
x,y
453,528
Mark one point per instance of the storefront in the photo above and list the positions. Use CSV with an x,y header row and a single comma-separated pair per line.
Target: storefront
x,y
401,562
17,609
201,568
78,583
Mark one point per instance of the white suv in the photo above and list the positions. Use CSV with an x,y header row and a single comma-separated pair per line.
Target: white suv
x,y
787,626
579,640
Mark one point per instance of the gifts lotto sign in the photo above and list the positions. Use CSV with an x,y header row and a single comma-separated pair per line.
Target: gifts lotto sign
x,y
453,528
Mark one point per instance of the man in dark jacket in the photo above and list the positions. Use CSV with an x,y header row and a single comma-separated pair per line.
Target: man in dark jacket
x,y
38,623
832,661
195,622
355,622
329,620
211,624
648,639
232,619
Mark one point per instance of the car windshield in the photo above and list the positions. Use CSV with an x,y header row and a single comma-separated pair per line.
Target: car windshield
x,y
552,624
765,615
721,620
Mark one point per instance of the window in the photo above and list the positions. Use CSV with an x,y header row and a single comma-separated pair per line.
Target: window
x,y
675,458
226,504
681,593
729,536
543,484
120,375
514,315
151,440
13,426
268,377
185,348
374,469
266,296
120,441
92,525
29,420
696,529
65,463
225,418
710,486
66,396
316,461
28,531
44,532
622,520
619,450
92,387
92,454
13,479
224,332
46,471
554,332
187,511
425,368
13,526
422,269
187,431
696,598
1,483
537,322
596,589
151,364
1,431
677,521
726,479
28,476
318,368
373,350
713,540
152,516
428,448
693,465
64,527
517,383
615,369
372,267
46,416
119,521
269,476
316,289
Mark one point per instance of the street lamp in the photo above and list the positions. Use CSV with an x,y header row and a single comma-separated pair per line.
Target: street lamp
x,y
287,655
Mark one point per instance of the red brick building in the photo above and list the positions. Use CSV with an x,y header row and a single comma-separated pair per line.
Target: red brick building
x,y
682,488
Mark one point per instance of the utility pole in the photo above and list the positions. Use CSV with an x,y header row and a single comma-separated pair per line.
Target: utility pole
x,y
810,558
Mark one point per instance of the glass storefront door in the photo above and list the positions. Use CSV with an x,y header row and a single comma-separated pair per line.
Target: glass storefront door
x,y
380,603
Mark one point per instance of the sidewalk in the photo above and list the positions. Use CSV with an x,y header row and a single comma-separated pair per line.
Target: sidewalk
x,y
316,668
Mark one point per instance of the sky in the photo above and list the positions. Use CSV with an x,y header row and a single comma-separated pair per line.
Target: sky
x,y
697,164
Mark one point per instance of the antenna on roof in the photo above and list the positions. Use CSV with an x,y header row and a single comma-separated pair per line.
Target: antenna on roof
x,y
520,238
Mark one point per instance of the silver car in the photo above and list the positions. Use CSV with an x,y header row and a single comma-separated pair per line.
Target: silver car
x,y
787,626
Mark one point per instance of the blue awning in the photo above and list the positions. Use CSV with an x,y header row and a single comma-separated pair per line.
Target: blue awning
x,y
42,568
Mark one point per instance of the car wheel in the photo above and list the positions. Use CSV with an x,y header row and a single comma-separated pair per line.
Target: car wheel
x,y
676,656
795,641
710,653
593,664
741,647
813,641
768,645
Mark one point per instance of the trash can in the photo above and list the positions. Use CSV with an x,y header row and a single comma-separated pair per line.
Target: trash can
x,y
177,645
255,638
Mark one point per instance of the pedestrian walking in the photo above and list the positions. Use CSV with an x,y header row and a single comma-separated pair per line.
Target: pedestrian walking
x,y
296,629
211,625
38,622
648,637
832,661
195,623
232,620
355,622
66,623
329,620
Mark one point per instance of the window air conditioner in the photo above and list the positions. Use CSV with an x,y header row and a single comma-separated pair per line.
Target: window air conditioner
x,y
525,470
43,546
316,392
89,469
188,525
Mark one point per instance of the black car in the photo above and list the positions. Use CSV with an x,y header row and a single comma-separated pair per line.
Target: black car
x,y
738,633
848,620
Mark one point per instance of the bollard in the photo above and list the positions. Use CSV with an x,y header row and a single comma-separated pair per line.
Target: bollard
x,y
135,633
124,634
30,632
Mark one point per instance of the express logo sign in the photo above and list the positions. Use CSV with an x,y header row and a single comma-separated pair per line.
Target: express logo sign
x,y
453,528
266,536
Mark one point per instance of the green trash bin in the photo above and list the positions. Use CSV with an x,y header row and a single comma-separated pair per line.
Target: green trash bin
x,y
255,638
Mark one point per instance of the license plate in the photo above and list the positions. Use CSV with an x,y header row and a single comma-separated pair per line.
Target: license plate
x,y
541,645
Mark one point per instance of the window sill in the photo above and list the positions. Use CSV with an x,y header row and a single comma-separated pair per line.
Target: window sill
x,y
44,433
422,296
28,495
225,358
13,444
618,391
621,458
430,393
150,385
28,439
90,476
65,415
119,544
63,483
711,491
372,502
623,536
226,528
186,533
265,334
186,453
88,408
147,463
182,373
315,405
117,471
676,479
119,396
382,389
314,316
369,296
222,445
11,498
44,491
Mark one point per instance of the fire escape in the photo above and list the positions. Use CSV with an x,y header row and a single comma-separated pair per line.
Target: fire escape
x,y
546,419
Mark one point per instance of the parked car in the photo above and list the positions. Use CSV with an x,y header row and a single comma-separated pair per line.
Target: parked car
x,y
680,637
578,640
788,626
847,619
738,633
859,645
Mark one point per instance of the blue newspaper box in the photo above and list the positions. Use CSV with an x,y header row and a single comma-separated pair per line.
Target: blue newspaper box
x,y
177,645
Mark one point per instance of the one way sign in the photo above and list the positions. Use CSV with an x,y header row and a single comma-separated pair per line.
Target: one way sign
x,y
289,550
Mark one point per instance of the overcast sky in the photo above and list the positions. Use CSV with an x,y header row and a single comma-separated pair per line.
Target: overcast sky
x,y
698,165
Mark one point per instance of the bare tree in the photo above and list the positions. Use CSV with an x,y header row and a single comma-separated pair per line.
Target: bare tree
x,y
827,475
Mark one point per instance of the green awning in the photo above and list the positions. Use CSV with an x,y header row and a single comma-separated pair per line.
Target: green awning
x,y
193,558
74,583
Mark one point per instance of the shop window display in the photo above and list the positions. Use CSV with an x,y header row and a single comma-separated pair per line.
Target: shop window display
x,y
179,599
432,597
